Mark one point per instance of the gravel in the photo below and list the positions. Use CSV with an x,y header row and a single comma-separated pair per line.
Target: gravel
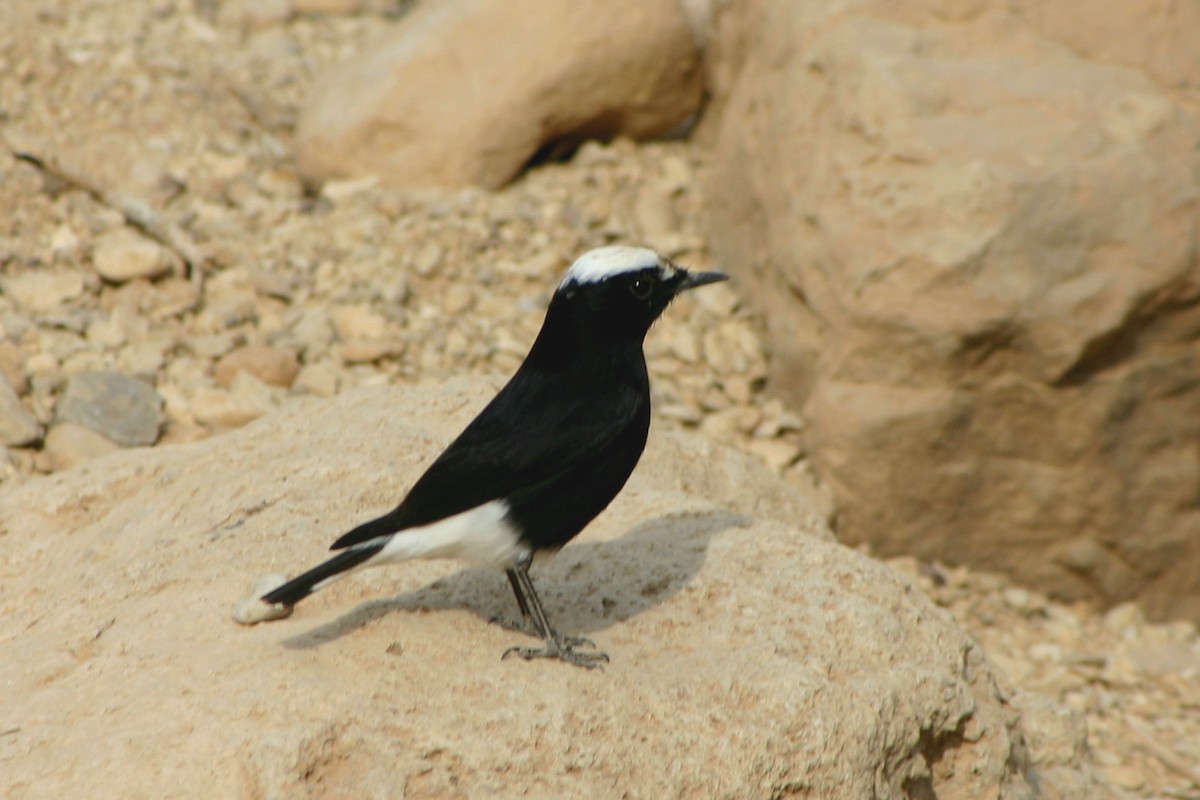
x,y
191,113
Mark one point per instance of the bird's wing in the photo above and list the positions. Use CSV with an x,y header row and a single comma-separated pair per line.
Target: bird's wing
x,y
517,440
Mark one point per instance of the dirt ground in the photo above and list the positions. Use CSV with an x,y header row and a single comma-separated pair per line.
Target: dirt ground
x,y
186,109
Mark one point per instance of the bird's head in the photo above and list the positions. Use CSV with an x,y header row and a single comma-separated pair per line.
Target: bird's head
x,y
624,289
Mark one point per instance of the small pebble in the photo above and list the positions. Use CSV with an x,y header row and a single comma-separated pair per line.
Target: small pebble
x,y
251,610
361,351
18,426
357,322
321,379
1126,777
42,290
427,259
245,401
271,365
123,255
1016,598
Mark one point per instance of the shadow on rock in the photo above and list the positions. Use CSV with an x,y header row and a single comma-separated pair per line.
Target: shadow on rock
x,y
586,588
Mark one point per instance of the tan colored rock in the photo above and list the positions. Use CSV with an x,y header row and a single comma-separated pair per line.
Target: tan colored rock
x,y
980,282
69,444
124,255
42,290
271,365
255,13
12,366
321,379
327,6
246,400
357,322
364,351
1156,36
1056,735
18,427
443,100
746,651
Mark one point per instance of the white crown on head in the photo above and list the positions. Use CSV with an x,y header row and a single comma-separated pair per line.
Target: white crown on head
x,y
605,262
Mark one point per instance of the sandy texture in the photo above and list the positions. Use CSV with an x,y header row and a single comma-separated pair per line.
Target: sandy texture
x,y
752,657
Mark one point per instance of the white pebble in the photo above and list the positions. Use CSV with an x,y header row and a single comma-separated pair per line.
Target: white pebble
x,y
252,610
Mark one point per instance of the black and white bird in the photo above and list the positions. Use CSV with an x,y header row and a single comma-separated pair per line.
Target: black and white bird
x,y
545,456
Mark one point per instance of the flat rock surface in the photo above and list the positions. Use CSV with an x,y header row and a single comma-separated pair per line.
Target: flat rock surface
x,y
751,656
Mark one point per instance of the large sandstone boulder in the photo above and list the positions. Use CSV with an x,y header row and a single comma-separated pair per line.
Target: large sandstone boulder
x,y
1161,37
751,655
466,92
977,257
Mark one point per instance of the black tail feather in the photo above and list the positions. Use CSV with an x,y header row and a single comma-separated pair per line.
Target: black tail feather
x,y
302,586
388,523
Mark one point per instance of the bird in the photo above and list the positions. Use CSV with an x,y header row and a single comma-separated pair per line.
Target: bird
x,y
544,457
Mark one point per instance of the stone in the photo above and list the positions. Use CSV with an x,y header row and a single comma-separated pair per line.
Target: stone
x,y
321,379
1123,34
65,246
105,332
42,290
777,453
246,400
1126,777
18,427
251,610
69,444
412,110
9,466
255,13
427,259
364,351
271,365
142,360
12,366
124,255
1057,738
746,645
979,283
327,6
357,322
458,299
339,191
123,409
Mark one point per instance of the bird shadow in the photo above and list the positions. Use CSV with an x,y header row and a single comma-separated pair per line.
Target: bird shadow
x,y
587,587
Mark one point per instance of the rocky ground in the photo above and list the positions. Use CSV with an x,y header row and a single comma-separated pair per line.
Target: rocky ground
x,y
179,115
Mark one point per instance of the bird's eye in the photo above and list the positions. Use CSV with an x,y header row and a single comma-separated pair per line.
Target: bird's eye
x,y
641,288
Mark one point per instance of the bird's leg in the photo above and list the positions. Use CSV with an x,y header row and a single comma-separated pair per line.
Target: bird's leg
x,y
560,647
530,623
527,624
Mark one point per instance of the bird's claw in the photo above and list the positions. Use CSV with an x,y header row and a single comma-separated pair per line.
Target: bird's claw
x,y
527,627
562,651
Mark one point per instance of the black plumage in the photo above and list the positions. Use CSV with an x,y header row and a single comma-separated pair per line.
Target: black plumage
x,y
547,454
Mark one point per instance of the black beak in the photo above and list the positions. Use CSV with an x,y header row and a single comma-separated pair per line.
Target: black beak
x,y
693,279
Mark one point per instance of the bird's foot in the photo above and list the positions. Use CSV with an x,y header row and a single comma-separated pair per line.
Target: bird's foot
x,y
562,648
527,627
524,625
